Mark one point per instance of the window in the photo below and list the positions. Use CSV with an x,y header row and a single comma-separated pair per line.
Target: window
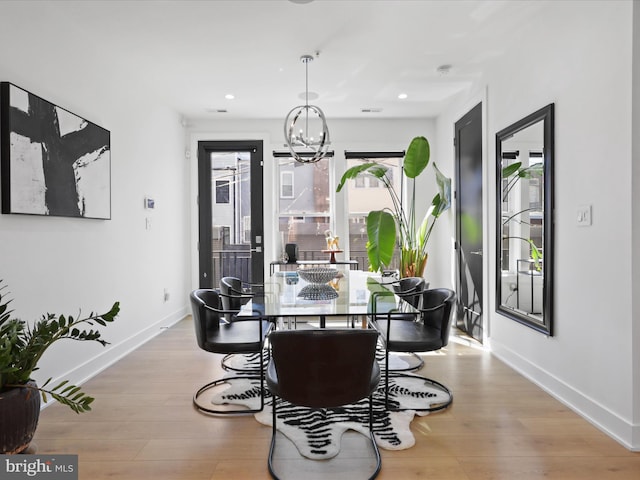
x,y
304,212
286,184
371,182
367,193
305,200
222,191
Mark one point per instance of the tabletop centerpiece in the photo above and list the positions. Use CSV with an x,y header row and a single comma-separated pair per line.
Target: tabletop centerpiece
x,y
333,246
318,287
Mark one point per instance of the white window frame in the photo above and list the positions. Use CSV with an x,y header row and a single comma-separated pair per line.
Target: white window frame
x,y
283,174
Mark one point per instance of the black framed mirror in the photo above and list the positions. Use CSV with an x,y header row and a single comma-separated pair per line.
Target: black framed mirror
x,y
524,198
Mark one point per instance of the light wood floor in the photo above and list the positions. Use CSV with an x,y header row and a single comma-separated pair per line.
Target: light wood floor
x,y
500,426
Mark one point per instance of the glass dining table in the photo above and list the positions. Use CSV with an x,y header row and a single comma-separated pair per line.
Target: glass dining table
x,y
355,294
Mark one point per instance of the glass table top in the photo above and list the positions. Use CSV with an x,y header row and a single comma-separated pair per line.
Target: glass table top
x,y
354,292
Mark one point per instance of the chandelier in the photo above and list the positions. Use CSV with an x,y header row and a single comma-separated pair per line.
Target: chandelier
x,y
296,127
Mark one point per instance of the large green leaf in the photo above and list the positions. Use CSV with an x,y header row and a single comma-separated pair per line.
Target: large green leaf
x,y
381,225
417,157
532,171
381,232
510,169
373,169
423,230
444,188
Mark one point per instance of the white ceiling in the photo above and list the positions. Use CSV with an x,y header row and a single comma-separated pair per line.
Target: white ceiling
x,y
193,53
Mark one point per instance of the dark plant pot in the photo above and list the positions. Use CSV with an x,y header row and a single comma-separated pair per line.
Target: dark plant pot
x,y
19,413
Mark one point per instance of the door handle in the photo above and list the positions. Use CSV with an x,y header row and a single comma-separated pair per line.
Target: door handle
x,y
256,250
477,252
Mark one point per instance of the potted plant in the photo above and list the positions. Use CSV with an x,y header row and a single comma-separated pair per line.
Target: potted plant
x,y
386,228
512,174
21,348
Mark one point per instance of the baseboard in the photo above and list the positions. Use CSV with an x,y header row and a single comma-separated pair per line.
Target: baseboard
x,y
97,364
621,430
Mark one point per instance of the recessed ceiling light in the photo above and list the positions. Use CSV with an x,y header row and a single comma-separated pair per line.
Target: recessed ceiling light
x,y
443,69
402,96
229,96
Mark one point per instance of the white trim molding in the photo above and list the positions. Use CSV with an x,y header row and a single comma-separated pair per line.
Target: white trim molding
x,y
620,429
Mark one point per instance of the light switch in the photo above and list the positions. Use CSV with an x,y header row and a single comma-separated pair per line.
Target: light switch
x,y
584,216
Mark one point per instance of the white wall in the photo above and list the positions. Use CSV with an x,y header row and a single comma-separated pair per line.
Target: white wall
x,y
635,222
61,265
367,135
582,63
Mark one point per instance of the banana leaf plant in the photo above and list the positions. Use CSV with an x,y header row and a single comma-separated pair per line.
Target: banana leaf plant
x,y
513,173
398,226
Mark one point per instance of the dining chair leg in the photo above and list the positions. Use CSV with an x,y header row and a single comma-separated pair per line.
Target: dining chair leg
x,y
246,376
222,411
225,363
434,383
374,445
274,430
412,366
386,379
372,439
263,390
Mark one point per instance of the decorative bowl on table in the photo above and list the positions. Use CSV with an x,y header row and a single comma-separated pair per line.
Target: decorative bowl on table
x,y
317,275
318,291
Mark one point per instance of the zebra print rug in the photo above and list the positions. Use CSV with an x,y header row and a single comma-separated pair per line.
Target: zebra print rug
x,y
300,424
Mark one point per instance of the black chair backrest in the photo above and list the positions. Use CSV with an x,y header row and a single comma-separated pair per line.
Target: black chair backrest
x,y
324,368
437,310
410,289
231,290
203,318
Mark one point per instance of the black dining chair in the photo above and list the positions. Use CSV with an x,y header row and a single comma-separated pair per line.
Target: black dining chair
x,y
410,290
325,368
243,335
234,294
428,332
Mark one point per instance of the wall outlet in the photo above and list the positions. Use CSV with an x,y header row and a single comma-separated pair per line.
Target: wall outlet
x,y
166,295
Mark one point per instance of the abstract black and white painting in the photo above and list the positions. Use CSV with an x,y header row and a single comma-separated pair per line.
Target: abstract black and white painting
x,y
53,161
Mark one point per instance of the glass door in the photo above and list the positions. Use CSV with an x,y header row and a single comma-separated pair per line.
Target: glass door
x,y
230,211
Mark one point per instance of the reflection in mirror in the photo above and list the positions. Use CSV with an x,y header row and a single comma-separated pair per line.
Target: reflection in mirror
x,y
524,197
